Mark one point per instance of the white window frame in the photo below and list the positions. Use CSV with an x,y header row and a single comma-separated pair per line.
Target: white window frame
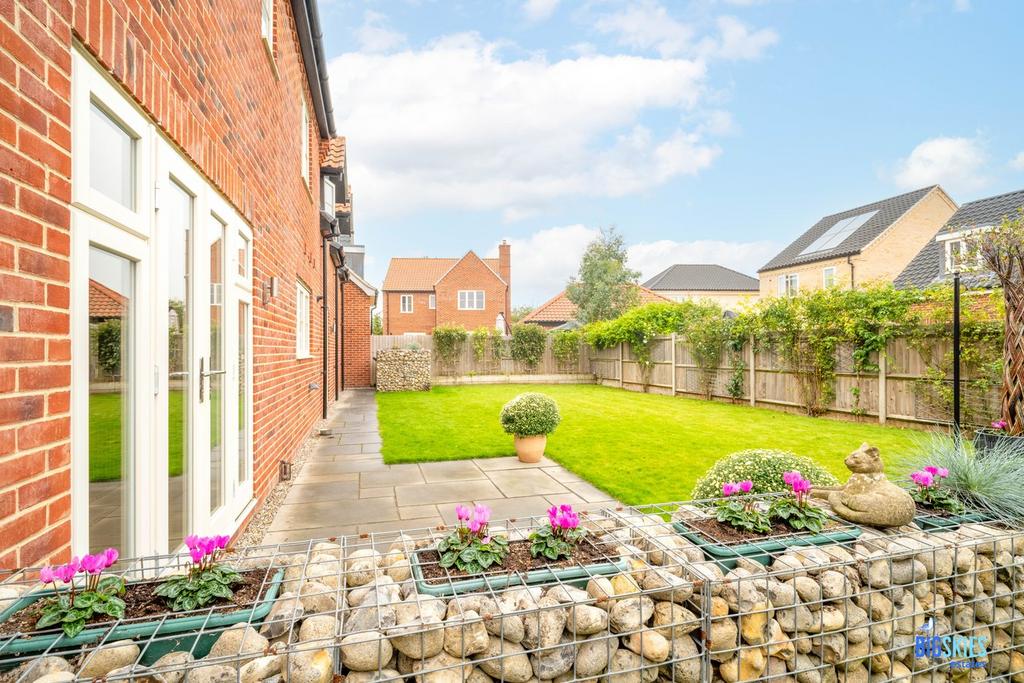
x,y
267,23
826,275
302,316
432,301
304,143
402,300
328,195
784,281
476,297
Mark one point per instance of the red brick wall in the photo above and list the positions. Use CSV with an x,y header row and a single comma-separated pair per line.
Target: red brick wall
x,y
422,318
470,273
201,72
358,305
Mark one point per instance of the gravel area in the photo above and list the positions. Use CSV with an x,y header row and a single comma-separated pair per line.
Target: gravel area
x,y
267,510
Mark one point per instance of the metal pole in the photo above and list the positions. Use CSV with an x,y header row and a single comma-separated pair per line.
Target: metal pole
x,y
956,352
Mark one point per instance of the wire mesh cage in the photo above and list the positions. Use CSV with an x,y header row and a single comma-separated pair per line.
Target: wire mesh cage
x,y
648,601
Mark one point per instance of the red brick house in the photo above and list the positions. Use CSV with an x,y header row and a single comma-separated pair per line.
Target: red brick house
x,y
137,143
422,293
560,313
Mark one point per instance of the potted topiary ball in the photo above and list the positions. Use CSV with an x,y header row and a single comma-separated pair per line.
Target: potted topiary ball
x,y
530,417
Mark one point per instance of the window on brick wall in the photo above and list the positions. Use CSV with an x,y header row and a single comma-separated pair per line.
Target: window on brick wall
x,y
828,277
471,299
301,320
267,23
432,301
405,303
304,142
789,285
327,196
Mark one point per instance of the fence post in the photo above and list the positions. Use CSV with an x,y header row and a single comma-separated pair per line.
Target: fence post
x,y
621,376
883,402
753,372
673,363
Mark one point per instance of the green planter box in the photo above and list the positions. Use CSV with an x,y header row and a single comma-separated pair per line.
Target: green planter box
x,y
948,522
498,580
54,642
761,551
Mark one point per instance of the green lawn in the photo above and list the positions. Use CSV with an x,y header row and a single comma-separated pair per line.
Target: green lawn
x,y
105,435
641,448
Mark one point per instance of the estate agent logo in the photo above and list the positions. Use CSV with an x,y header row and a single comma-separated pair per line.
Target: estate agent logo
x,y
961,651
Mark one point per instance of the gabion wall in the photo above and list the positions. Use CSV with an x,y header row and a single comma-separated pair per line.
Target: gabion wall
x,y
901,605
403,370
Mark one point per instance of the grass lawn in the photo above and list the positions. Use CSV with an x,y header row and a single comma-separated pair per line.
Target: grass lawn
x,y
105,435
640,448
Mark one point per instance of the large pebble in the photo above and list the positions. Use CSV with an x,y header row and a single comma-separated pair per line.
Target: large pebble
x,y
505,661
553,662
674,621
38,667
320,627
241,643
650,644
465,634
287,609
631,613
627,666
444,668
109,657
317,597
172,665
418,639
309,666
366,651
594,654
585,620
261,668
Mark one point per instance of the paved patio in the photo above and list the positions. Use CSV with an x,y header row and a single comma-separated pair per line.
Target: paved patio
x,y
345,488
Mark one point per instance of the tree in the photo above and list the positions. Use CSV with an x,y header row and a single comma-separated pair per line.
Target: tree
x,y
520,312
1002,250
376,325
604,288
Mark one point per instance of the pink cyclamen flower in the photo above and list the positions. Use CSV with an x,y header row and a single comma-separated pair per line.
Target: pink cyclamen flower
x,y
999,424
729,489
110,556
197,555
483,513
565,507
191,541
93,564
746,486
47,575
66,572
789,477
475,525
222,542
922,479
485,540
462,512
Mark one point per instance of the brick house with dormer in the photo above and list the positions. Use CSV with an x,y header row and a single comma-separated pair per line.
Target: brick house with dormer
x,y
421,293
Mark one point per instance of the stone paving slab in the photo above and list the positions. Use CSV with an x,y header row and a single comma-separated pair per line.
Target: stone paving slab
x,y
346,488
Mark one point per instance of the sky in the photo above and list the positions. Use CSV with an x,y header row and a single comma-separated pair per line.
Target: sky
x,y
705,131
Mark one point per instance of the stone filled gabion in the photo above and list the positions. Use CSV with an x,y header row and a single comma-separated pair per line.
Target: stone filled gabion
x,y
403,370
843,612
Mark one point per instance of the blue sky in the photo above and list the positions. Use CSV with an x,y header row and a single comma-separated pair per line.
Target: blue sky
x,y
706,131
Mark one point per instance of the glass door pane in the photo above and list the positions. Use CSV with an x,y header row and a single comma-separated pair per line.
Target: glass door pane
x,y
180,207
111,449
215,376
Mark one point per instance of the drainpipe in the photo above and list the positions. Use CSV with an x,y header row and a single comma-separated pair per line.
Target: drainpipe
x,y
323,308
849,260
343,275
338,292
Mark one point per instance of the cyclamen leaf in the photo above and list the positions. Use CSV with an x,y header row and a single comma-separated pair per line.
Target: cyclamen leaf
x,y
49,618
73,628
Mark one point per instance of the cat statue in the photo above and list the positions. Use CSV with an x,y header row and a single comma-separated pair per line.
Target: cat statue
x,y
868,497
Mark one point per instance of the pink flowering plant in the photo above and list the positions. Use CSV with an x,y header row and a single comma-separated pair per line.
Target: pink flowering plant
x,y
559,537
78,605
741,512
929,491
1001,425
795,509
206,579
471,547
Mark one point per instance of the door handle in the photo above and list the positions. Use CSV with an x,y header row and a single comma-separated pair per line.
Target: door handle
x,y
203,375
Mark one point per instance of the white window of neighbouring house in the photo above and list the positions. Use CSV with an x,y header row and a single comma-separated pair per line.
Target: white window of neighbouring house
x,y
327,196
304,142
301,320
789,285
432,301
267,22
828,277
405,303
471,300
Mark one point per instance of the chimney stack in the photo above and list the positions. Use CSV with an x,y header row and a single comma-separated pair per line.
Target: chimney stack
x,y
505,271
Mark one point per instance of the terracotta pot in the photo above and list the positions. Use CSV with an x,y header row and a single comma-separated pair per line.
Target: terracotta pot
x,y
530,448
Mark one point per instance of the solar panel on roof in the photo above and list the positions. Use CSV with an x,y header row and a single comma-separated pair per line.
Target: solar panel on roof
x,y
835,235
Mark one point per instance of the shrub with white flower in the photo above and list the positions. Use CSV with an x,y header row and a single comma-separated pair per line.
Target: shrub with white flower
x,y
530,414
764,468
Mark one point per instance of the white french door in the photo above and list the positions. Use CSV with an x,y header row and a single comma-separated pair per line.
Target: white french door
x,y
161,336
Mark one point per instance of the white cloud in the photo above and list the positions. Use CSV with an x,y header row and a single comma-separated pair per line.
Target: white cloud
x,y
648,25
455,125
374,34
955,163
1017,163
543,262
539,10
961,5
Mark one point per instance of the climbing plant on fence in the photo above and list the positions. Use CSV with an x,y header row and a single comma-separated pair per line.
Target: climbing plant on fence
x,y
565,347
527,344
448,343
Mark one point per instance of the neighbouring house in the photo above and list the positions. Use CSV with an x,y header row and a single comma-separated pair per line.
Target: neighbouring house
x,y
558,313
945,253
685,281
871,243
422,293
171,293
